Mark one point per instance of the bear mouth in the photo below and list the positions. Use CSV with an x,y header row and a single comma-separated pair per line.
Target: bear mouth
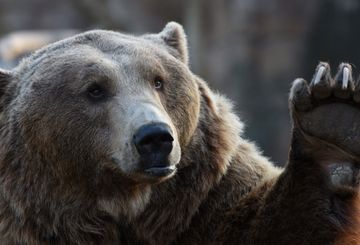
x,y
152,172
160,171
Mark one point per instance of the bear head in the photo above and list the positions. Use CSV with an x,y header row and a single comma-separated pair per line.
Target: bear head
x,y
100,109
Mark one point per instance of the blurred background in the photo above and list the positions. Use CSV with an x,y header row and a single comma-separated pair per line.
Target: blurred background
x,y
250,50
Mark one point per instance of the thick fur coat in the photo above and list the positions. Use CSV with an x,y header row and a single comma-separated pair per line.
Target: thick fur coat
x,y
69,173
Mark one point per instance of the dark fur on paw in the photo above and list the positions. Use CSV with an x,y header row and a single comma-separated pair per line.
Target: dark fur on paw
x,y
328,108
326,114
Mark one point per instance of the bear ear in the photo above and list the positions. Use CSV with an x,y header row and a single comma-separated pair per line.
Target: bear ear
x,y
174,36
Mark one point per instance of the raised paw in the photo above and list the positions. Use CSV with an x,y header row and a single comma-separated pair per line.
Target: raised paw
x,y
328,108
324,161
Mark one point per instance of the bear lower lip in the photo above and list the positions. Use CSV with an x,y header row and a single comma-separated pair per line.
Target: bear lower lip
x,y
159,171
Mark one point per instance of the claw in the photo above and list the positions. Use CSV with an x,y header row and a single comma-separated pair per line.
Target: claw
x,y
300,95
319,75
322,82
346,75
344,83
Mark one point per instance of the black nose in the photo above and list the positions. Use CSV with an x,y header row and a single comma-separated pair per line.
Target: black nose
x,y
154,142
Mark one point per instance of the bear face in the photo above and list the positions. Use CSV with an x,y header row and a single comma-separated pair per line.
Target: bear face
x,y
103,102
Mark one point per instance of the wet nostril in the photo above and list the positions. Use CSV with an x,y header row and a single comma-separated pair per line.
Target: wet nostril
x,y
166,137
156,138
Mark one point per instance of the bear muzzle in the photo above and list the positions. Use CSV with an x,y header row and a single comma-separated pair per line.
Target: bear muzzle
x,y
154,143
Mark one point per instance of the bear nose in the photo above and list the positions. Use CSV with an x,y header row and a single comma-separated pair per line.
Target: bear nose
x,y
154,142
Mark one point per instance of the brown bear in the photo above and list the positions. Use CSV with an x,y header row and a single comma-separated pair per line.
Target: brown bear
x,y
108,138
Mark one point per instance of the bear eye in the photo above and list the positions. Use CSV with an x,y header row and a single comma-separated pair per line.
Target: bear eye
x,y
158,83
96,92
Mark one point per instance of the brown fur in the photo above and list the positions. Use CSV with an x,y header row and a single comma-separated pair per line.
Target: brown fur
x,y
351,233
59,183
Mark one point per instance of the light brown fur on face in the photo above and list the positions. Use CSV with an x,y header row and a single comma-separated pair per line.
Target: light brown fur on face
x,y
71,171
